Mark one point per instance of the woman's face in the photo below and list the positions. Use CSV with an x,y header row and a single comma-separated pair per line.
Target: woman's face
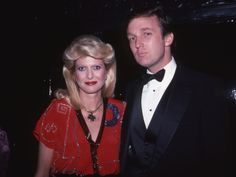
x,y
90,74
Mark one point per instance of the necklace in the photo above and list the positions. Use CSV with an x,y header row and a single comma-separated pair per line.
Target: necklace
x,y
92,117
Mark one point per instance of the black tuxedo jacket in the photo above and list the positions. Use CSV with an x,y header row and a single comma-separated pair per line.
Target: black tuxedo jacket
x,y
186,136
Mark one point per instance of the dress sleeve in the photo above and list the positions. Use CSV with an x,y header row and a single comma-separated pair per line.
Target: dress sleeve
x,y
47,125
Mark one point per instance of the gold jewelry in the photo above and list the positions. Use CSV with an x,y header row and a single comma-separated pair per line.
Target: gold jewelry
x,y
92,117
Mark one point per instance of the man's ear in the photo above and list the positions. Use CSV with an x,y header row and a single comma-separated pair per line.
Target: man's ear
x,y
169,38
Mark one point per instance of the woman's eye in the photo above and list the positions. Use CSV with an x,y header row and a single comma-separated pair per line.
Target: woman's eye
x,y
97,67
80,68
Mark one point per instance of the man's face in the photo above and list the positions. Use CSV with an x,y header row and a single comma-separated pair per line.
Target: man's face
x,y
147,43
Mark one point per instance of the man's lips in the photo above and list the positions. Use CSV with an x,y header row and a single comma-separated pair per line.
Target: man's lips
x,y
141,54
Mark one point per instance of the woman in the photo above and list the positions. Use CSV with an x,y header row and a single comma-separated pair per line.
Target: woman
x,y
79,133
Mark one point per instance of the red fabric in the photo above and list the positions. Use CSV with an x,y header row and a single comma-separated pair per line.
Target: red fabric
x,y
59,129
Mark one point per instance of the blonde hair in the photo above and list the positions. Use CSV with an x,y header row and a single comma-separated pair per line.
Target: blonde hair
x,y
82,46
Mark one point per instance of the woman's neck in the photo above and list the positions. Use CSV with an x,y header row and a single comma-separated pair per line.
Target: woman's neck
x,y
91,101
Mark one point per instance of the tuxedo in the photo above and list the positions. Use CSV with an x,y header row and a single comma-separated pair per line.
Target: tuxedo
x,y
186,135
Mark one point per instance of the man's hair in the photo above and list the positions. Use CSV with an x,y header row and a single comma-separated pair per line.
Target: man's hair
x,y
159,12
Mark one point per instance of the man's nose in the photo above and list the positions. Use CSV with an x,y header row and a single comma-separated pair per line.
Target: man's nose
x,y
138,43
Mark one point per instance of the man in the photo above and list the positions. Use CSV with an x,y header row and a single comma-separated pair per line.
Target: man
x,y
173,126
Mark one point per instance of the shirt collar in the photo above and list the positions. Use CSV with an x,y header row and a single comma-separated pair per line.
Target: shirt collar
x,y
169,68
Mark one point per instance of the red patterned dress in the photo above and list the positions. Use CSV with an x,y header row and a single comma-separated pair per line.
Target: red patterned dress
x,y
64,130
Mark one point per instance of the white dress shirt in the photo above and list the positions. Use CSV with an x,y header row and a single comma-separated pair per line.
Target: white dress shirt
x,y
154,90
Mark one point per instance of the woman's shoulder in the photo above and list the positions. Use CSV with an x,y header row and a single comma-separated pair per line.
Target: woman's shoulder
x,y
60,106
116,104
116,101
59,101
116,109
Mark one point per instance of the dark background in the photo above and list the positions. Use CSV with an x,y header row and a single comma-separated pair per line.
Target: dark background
x,y
34,35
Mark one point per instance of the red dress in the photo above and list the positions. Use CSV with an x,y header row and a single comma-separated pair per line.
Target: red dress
x,y
64,130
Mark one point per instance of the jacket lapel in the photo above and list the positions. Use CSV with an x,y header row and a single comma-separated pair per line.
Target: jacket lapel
x,y
169,113
136,110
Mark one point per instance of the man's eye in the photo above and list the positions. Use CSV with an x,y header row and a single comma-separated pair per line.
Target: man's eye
x,y
147,34
131,39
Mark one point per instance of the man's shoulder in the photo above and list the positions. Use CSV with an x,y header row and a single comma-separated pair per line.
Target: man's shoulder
x,y
198,76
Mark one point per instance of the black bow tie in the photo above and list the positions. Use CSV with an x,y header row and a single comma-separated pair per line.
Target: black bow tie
x,y
158,76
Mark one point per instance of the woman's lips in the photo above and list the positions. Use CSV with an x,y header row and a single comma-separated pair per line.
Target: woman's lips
x,y
91,83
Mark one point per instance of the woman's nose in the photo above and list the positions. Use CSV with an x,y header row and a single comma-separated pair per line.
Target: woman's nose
x,y
90,73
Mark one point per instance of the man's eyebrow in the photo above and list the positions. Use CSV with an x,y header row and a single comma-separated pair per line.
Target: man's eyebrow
x,y
142,29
